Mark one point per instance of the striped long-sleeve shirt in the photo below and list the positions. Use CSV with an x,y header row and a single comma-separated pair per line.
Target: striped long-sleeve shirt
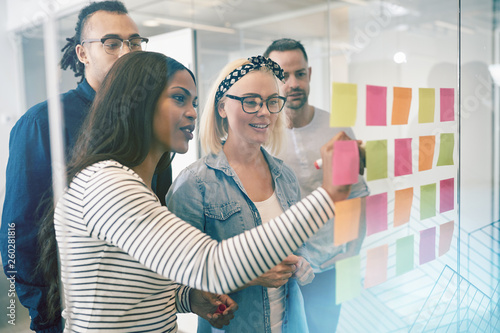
x,y
121,252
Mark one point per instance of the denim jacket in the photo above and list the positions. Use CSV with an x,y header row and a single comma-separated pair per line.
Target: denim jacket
x,y
209,195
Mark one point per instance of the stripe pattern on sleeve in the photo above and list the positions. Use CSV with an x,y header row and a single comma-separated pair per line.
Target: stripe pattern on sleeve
x,y
121,252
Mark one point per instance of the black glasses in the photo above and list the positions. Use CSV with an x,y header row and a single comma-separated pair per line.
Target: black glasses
x,y
113,45
252,104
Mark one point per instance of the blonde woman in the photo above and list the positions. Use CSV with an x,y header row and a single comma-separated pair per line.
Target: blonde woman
x,y
240,185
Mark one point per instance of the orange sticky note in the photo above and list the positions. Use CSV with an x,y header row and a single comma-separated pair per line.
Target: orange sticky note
x,y
376,266
402,206
346,224
426,152
401,105
445,236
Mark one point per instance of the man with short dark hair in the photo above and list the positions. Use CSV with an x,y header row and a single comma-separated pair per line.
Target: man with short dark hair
x,y
308,129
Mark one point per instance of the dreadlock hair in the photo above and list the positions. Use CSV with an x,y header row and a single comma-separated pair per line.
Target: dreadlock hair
x,y
69,58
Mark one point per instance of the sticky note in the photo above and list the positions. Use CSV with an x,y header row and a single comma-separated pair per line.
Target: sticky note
x,y
402,157
344,104
426,101
427,201
426,152
346,225
376,159
447,142
447,104
446,195
402,206
376,266
427,245
345,162
404,254
347,273
376,213
401,105
376,106
445,236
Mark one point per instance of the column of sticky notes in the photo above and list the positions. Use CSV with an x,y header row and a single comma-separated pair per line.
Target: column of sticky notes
x,y
347,221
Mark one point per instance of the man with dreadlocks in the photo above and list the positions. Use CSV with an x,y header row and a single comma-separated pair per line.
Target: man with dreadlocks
x,y
104,32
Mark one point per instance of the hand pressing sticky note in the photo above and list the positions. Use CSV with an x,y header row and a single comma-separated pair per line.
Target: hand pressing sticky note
x,y
346,224
345,162
401,105
446,145
376,106
426,101
344,104
376,159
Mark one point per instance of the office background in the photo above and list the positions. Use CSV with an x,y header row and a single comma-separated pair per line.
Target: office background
x,y
393,43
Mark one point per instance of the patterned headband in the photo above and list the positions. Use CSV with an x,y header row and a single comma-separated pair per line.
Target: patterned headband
x,y
255,64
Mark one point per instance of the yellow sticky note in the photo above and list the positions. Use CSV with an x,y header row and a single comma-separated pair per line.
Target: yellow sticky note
x,y
344,104
346,224
426,101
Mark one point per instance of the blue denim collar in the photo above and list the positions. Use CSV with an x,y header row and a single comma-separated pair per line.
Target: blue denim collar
x,y
219,162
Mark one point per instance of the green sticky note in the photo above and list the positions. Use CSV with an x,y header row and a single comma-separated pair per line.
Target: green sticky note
x,y
376,159
426,101
344,104
404,254
348,273
446,149
427,201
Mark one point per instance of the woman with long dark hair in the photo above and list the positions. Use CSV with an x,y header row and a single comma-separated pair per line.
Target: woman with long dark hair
x,y
122,254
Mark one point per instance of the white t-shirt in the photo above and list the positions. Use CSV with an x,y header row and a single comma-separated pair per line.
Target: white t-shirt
x,y
269,209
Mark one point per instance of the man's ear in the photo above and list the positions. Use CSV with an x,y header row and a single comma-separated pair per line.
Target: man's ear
x,y
310,71
81,53
220,109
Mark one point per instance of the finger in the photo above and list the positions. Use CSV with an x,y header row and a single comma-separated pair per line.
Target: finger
x,y
291,259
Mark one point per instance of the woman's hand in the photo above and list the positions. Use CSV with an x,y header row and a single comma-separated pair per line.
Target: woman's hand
x,y
278,275
205,305
336,192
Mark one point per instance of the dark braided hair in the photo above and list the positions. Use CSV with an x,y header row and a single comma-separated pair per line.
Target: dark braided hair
x,y
69,58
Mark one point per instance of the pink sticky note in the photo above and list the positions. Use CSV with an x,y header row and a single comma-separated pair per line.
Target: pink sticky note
x,y
447,104
376,106
345,162
402,157
427,245
446,195
376,213
376,266
445,236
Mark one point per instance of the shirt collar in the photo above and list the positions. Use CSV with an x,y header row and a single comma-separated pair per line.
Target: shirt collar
x,y
85,90
219,162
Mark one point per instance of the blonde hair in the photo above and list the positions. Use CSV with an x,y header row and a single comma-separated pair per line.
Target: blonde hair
x,y
214,128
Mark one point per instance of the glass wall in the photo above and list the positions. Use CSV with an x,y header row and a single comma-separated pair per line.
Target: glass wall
x,y
424,82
